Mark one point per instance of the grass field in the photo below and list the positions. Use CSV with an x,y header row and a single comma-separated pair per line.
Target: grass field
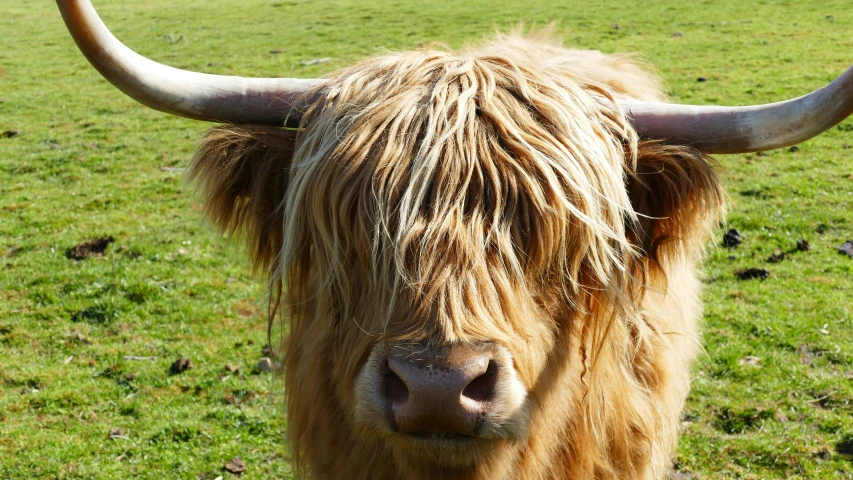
x,y
86,346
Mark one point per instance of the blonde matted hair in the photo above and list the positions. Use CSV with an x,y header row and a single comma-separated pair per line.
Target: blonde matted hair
x,y
476,195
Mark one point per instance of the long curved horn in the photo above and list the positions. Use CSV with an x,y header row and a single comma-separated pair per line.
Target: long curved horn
x,y
746,129
200,96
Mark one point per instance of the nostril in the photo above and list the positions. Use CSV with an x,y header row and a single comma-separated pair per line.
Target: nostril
x,y
395,389
482,388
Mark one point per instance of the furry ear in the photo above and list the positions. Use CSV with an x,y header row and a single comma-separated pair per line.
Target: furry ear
x,y
678,199
242,172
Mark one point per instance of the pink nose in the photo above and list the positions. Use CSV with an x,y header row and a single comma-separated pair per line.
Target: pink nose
x,y
439,393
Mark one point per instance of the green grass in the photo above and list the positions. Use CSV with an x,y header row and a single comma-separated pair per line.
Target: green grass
x,y
90,162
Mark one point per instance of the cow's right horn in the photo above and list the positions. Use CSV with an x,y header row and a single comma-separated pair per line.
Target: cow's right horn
x,y
200,96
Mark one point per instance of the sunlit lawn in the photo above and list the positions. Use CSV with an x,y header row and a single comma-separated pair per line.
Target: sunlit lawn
x,y
86,346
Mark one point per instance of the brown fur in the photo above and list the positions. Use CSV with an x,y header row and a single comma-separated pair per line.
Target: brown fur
x,y
494,194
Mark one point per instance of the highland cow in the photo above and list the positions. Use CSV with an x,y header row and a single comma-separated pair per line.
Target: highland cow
x,y
486,260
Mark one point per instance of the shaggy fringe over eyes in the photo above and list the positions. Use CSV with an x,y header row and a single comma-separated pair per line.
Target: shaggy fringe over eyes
x,y
460,178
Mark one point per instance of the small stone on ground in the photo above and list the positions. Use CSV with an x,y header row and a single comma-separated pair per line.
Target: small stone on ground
x,y
265,365
846,248
235,466
750,361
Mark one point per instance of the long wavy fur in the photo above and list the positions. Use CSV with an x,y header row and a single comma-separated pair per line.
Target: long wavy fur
x,y
495,193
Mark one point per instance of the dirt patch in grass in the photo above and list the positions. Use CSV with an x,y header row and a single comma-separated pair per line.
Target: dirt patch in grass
x,y
732,238
750,273
844,447
99,314
89,248
180,365
734,421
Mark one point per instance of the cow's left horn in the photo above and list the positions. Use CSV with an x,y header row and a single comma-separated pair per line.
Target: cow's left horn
x,y
200,96
746,129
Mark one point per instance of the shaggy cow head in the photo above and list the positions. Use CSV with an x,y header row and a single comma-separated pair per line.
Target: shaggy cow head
x,y
459,246
484,273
